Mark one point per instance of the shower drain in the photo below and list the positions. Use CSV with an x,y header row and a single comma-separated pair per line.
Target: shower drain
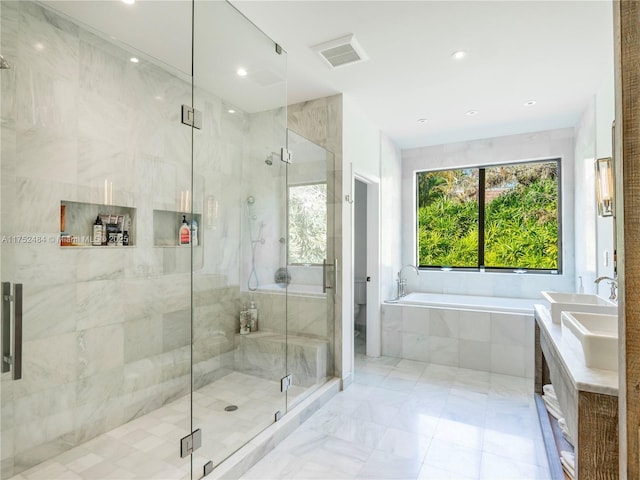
x,y
230,408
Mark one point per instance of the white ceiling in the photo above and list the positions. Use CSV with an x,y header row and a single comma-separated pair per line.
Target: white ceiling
x,y
557,53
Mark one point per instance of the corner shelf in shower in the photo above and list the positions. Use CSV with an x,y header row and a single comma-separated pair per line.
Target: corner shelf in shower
x,y
166,224
77,218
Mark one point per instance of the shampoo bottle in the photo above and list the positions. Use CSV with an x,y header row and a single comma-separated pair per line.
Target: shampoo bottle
x,y
253,316
96,237
184,233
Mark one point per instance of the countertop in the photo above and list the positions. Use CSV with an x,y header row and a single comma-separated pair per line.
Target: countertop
x,y
569,353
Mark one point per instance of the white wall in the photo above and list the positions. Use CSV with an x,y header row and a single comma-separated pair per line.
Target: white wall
x,y
390,216
584,200
594,235
361,157
375,159
605,114
529,146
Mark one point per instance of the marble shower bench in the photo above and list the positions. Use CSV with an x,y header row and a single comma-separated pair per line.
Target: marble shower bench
x,y
263,354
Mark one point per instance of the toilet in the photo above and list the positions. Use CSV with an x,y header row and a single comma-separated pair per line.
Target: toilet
x,y
359,303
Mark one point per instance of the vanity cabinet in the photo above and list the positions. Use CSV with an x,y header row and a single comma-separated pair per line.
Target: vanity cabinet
x,y
588,398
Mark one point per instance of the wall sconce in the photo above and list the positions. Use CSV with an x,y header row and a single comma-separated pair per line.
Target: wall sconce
x,y
604,186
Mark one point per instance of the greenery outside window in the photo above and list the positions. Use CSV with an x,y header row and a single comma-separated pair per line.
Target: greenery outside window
x,y
501,217
307,223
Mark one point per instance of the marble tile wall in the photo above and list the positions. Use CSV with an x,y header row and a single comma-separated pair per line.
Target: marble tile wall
x,y
486,341
107,331
263,354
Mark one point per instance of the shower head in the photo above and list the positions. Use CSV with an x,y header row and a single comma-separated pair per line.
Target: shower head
x,y
250,200
269,160
3,63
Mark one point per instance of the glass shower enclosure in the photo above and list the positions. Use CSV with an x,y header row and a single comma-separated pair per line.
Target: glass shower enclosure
x,y
144,203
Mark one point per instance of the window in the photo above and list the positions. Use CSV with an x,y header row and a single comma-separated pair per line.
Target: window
x,y
502,217
308,223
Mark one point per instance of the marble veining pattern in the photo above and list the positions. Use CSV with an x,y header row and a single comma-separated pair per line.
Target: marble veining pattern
x,y
401,419
438,423
107,331
486,341
566,351
147,448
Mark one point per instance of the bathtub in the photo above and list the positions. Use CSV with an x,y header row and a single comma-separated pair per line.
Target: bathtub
x,y
490,334
469,302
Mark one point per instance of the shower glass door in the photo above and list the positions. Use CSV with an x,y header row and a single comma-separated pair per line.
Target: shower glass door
x,y
96,327
312,266
239,201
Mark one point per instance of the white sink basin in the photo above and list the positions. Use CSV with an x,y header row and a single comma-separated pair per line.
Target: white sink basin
x,y
577,302
598,335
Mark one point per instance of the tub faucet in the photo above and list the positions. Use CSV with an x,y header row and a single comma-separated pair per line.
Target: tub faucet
x,y
402,282
613,283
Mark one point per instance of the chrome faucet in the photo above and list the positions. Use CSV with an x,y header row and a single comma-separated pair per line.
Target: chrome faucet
x,y
402,282
613,283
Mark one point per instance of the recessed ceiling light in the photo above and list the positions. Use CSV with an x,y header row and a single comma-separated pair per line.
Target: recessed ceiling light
x,y
38,46
129,2
241,72
460,54
231,110
472,112
530,103
422,120
134,60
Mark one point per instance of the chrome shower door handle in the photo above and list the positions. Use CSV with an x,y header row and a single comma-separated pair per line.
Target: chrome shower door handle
x,y
17,331
12,360
324,275
6,327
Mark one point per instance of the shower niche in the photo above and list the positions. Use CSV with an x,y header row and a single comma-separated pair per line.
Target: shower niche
x,y
77,219
166,224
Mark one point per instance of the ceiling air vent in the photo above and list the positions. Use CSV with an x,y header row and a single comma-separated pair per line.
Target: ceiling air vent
x,y
341,51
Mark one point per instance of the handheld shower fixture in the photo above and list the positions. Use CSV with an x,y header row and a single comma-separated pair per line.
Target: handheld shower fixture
x,y
252,280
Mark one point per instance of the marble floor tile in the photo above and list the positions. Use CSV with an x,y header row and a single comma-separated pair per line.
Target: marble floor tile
x,y
460,433
454,458
451,423
400,419
498,467
400,443
429,472
384,465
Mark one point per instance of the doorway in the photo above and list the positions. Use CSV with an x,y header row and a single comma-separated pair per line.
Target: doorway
x,y
366,269
360,267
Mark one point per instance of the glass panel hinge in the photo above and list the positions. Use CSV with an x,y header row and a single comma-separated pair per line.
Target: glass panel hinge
x,y
285,155
285,383
190,443
191,117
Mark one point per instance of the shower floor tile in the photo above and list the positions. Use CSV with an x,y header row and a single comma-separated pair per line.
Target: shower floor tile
x,y
147,448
